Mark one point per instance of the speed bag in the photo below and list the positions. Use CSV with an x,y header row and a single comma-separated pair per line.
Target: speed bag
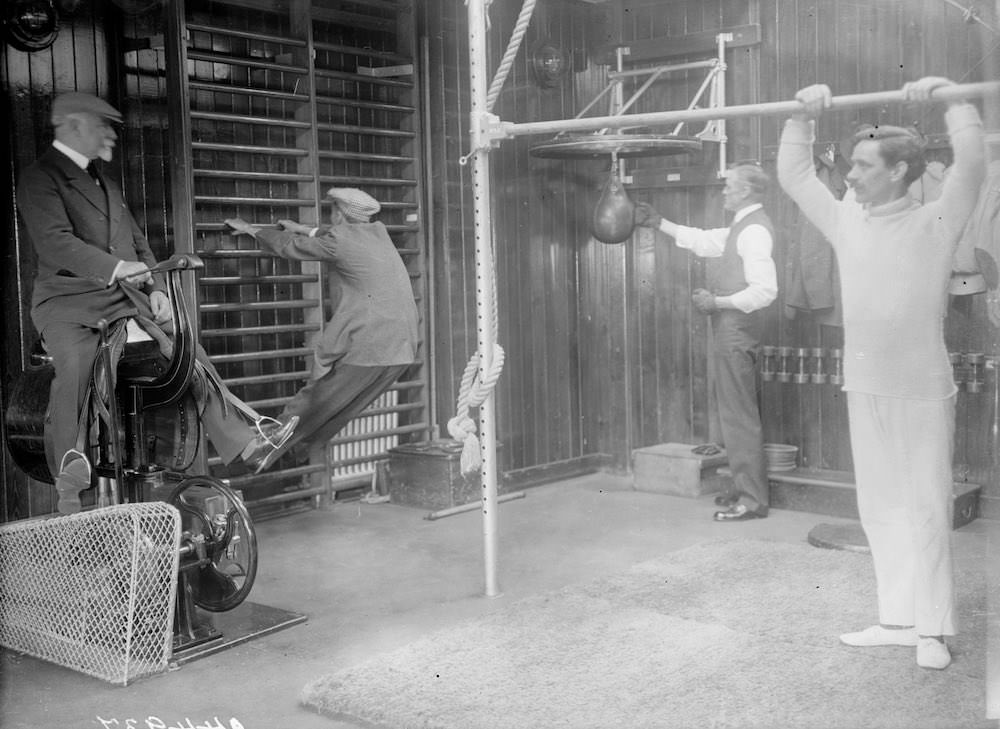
x,y
614,216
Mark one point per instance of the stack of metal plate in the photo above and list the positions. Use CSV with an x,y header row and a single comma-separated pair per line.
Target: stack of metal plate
x,y
781,457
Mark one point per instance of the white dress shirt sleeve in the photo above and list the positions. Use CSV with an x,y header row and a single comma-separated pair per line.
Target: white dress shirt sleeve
x,y
755,248
706,243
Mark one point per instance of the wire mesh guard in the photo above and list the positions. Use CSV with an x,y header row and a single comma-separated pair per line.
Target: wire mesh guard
x,y
93,591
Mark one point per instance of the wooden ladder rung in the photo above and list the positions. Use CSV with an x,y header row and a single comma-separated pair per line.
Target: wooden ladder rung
x,y
268,202
220,88
208,308
261,356
274,330
366,130
196,54
228,117
248,34
250,149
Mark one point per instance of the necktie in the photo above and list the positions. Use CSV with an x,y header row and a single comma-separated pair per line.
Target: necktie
x,y
92,171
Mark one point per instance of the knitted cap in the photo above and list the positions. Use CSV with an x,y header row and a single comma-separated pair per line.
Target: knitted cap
x,y
354,203
76,102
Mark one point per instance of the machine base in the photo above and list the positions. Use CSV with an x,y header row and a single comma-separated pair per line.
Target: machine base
x,y
245,622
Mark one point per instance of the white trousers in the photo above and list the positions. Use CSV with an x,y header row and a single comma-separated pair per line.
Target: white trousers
x,y
902,459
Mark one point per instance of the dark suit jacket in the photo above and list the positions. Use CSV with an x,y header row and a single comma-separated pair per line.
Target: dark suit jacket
x,y
79,234
375,319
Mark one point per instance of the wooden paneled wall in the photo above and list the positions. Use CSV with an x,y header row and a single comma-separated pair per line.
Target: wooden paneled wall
x,y
604,353
539,226
872,46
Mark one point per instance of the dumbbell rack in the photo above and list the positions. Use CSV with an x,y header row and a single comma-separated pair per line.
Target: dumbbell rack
x,y
831,492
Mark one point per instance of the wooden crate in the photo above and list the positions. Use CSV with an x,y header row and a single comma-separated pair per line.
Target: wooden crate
x,y
429,475
672,468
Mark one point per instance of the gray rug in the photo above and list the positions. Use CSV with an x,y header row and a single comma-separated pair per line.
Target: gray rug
x,y
739,634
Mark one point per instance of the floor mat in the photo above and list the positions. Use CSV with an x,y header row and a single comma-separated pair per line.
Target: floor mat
x,y
739,634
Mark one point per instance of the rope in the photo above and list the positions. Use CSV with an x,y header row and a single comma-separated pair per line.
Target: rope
x,y
472,393
476,385
508,58
480,377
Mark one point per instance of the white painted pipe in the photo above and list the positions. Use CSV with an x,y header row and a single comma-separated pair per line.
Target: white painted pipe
x,y
451,511
772,108
485,293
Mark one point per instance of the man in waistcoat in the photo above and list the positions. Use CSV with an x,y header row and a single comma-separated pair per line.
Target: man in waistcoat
x,y
741,282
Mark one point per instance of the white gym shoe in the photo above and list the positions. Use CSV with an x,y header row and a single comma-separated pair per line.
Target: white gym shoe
x,y
932,653
876,635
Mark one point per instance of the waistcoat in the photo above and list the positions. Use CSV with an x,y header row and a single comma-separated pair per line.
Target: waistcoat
x,y
724,275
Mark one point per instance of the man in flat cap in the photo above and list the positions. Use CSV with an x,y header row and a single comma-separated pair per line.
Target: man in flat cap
x,y
372,336
93,264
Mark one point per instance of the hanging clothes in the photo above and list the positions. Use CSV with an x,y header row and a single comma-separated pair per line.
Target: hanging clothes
x,y
811,280
982,234
927,187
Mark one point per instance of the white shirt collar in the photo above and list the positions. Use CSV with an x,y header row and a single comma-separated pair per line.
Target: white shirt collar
x,y
79,160
743,212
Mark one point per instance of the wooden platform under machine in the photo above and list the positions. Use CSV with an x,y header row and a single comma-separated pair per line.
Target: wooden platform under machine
x,y
243,623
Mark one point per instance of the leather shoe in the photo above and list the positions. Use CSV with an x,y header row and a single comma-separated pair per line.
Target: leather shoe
x,y
74,477
258,455
706,449
726,499
738,512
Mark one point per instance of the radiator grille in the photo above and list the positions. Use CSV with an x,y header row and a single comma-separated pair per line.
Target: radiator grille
x,y
366,439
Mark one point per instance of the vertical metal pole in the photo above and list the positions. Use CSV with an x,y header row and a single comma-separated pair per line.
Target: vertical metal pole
x,y
720,99
617,102
429,233
485,304
182,205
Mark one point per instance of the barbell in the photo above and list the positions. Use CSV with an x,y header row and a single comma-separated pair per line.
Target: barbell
x,y
954,92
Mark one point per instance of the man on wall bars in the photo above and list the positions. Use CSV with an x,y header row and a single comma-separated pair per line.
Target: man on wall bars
x,y
372,336
895,258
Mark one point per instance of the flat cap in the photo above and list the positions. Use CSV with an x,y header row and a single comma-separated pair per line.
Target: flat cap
x,y
76,102
354,203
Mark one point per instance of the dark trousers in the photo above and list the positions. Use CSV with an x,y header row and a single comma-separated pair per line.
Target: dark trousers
x,y
326,404
73,348
735,347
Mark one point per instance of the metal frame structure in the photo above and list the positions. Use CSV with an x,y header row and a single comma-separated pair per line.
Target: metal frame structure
x,y
620,146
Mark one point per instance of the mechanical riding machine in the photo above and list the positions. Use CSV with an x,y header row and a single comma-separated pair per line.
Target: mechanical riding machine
x,y
142,438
